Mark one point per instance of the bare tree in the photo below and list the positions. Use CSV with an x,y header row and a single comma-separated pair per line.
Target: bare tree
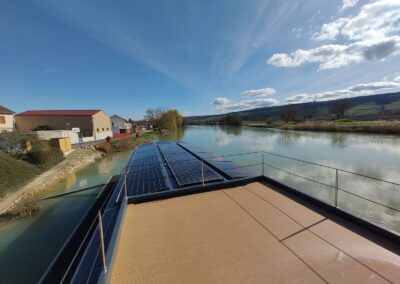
x,y
339,107
288,114
153,115
231,119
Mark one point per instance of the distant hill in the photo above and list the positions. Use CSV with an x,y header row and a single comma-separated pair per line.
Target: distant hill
x,y
365,107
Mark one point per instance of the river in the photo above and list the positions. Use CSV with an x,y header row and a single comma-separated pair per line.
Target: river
x,y
376,156
28,245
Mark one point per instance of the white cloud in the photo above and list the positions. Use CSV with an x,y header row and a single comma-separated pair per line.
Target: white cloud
x,y
348,4
332,56
220,101
258,93
372,34
331,30
374,21
397,78
353,91
223,105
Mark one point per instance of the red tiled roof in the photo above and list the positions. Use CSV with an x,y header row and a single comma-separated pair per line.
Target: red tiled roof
x,y
59,112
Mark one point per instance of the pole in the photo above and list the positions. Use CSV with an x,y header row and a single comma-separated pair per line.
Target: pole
x,y
103,255
263,163
202,172
336,187
125,189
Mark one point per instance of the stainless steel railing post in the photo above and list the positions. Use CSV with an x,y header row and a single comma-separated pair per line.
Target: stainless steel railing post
x,y
103,254
125,189
202,172
263,163
336,187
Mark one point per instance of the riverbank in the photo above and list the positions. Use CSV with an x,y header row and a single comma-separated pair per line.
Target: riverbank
x,y
76,160
343,125
125,144
19,200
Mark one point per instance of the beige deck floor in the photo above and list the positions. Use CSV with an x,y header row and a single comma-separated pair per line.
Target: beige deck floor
x,y
248,234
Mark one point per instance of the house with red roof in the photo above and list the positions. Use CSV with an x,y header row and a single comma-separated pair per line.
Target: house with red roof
x,y
6,119
91,123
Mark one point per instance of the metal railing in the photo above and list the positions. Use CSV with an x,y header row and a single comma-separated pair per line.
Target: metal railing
x,y
255,159
335,186
265,164
260,159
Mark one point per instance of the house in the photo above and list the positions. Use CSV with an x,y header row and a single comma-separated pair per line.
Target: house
x,y
91,123
120,125
6,119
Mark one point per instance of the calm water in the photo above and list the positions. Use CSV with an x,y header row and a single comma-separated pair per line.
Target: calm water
x,y
372,155
28,245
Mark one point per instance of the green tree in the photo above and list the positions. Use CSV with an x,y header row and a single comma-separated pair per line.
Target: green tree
x,y
171,119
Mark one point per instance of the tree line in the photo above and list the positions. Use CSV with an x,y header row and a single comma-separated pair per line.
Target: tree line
x,y
164,118
337,109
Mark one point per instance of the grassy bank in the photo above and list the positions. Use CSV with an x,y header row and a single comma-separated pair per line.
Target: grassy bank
x,y
343,125
16,171
125,144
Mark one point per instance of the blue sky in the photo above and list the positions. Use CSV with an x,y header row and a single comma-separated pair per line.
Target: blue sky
x,y
200,57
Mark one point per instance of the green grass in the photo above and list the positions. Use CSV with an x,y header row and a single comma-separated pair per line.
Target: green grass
x,y
14,173
393,106
363,109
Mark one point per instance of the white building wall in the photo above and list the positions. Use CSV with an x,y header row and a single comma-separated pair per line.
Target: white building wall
x,y
75,137
117,124
50,134
8,126
103,135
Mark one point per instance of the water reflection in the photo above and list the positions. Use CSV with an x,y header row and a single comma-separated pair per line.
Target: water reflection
x,y
339,140
288,138
234,130
372,155
176,135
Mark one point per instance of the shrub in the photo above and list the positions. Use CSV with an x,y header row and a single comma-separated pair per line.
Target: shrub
x,y
42,154
41,127
14,144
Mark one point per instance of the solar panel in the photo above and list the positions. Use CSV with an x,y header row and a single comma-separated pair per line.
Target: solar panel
x,y
171,148
179,157
150,160
145,182
190,173
138,168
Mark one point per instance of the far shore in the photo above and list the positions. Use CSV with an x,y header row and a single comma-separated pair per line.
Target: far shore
x,y
343,125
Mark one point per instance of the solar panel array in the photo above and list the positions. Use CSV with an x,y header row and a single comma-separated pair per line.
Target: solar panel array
x,y
144,174
162,166
186,168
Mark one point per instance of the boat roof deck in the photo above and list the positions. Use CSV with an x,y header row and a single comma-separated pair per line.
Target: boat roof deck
x,y
246,234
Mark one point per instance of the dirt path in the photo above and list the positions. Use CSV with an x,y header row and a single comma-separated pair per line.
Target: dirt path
x,y
76,160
